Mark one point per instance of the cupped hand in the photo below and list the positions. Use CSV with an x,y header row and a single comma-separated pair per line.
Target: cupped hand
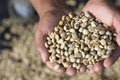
x,y
45,26
108,14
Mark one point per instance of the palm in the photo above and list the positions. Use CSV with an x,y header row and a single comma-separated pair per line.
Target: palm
x,y
101,10
107,14
46,25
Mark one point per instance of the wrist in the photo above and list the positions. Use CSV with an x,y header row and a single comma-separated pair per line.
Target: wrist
x,y
102,0
42,6
97,0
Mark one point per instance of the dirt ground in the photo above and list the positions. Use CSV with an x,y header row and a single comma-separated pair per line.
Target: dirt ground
x,y
19,59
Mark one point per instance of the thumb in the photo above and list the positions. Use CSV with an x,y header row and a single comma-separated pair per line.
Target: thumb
x,y
116,24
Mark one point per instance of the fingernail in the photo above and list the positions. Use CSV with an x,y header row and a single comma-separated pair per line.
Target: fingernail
x,y
71,71
44,60
82,70
92,71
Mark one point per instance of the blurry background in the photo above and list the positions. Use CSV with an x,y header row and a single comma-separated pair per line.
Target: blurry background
x,y
19,59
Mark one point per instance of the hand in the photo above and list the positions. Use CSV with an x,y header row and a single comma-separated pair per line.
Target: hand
x,y
108,14
45,26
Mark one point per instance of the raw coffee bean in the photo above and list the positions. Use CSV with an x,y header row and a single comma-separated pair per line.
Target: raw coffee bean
x,y
80,39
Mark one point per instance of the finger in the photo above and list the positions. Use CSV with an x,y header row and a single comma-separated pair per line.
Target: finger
x,y
118,38
111,60
51,66
83,68
44,54
98,67
40,44
71,71
92,71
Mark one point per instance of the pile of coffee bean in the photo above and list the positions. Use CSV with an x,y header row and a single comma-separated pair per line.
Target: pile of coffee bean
x,y
80,39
